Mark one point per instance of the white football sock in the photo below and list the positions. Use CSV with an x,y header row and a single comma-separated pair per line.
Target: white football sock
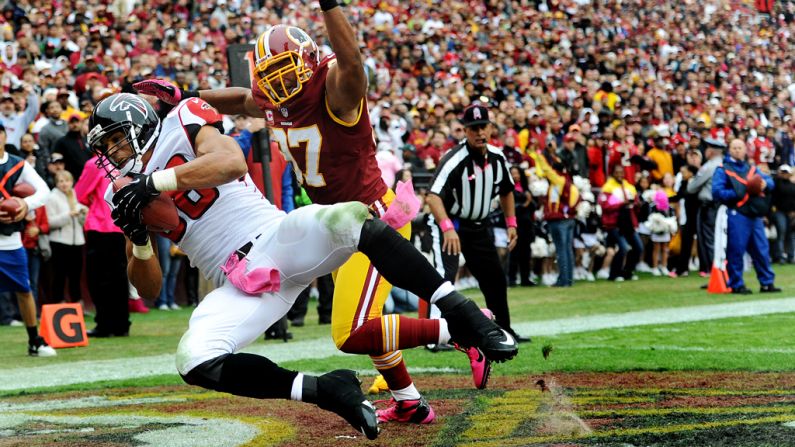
x,y
444,333
297,391
445,289
408,393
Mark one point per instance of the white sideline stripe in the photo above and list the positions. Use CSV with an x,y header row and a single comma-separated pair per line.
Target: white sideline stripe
x,y
656,316
137,367
685,349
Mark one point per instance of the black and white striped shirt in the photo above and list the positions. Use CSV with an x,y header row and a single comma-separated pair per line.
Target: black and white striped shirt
x,y
467,183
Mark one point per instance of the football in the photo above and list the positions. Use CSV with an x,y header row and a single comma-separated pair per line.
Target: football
x,y
755,186
160,214
22,190
10,206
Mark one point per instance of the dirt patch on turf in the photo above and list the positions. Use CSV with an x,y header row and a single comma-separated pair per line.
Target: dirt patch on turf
x,y
645,408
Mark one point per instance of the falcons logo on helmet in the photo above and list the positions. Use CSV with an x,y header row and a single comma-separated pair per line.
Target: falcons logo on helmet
x,y
127,102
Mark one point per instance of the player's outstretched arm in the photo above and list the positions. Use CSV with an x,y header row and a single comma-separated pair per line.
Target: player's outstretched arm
x,y
346,83
143,269
229,101
232,101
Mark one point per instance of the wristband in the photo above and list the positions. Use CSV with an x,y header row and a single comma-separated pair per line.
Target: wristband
x,y
165,180
143,252
510,221
326,5
190,94
446,225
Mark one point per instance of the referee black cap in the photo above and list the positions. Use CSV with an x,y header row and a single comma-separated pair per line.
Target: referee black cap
x,y
475,115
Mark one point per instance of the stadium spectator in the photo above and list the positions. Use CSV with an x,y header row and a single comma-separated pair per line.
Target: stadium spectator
x,y
519,259
73,145
661,157
784,215
559,212
106,267
52,131
691,207
618,200
170,262
66,217
572,154
388,163
701,184
17,122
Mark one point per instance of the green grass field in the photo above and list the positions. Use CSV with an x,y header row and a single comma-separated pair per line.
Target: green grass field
x,y
756,347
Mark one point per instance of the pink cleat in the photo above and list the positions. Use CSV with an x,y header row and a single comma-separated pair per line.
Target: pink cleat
x,y
481,366
417,411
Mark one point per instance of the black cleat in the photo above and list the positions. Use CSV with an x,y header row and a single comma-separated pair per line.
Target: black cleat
x,y
340,392
469,327
770,288
742,290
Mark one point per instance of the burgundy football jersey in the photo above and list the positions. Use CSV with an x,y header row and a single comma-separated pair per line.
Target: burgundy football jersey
x,y
334,161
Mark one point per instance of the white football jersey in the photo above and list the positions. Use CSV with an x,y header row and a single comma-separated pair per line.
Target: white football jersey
x,y
214,222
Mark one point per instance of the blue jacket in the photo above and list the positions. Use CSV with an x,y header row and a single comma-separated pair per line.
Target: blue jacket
x,y
727,192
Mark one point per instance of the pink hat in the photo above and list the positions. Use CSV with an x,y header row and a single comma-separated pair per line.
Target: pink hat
x,y
661,200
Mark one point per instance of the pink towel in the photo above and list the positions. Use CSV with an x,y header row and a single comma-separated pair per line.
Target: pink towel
x,y
256,282
403,208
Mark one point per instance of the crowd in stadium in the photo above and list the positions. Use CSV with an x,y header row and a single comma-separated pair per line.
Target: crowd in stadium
x,y
633,96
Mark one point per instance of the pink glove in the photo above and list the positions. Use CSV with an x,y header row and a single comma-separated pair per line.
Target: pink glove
x,y
164,90
403,209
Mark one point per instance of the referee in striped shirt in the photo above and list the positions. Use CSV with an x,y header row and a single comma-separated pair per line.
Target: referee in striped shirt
x,y
468,177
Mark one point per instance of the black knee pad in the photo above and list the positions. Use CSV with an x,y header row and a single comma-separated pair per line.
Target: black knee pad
x,y
372,231
206,375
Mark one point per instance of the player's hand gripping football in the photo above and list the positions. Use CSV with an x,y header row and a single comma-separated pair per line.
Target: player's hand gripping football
x,y
130,200
164,90
135,231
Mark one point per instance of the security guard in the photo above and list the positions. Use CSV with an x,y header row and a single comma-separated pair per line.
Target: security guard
x,y
468,177
733,186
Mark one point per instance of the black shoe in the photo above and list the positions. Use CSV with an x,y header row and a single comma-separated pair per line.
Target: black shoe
x,y
704,286
770,288
529,283
324,320
99,333
742,290
519,338
340,392
297,322
470,327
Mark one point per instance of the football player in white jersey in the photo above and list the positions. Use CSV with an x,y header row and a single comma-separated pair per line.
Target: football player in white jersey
x,y
259,257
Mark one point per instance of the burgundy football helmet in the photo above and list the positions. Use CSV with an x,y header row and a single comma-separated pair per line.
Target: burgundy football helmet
x,y
284,59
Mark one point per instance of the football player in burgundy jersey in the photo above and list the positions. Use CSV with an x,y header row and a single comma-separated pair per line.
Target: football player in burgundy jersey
x,y
316,111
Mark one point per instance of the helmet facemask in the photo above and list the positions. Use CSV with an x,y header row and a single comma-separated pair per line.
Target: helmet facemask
x,y
272,83
133,137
